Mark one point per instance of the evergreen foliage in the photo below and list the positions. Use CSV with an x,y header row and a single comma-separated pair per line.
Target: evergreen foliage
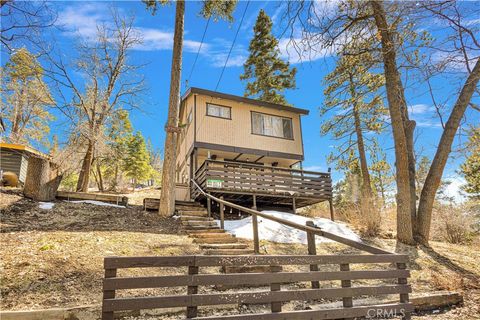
x,y
471,167
267,74
25,100
137,161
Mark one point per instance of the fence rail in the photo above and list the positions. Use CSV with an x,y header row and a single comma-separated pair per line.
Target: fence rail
x,y
275,296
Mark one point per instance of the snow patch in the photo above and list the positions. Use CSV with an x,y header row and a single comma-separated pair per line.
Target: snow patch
x,y
46,205
277,232
98,203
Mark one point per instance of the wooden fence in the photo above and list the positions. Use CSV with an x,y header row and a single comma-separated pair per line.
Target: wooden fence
x,y
274,296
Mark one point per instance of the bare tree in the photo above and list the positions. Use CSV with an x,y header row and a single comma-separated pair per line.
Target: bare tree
x,y
22,22
387,22
111,84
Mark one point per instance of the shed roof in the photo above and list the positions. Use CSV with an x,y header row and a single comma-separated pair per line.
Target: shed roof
x,y
21,147
216,94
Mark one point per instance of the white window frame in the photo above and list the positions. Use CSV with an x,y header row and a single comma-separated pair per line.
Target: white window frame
x,y
269,121
220,115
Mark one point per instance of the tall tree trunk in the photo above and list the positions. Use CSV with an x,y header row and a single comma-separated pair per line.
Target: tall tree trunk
x,y
100,178
396,101
84,176
167,196
434,176
368,210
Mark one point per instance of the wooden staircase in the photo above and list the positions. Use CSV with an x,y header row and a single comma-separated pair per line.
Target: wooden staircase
x,y
206,232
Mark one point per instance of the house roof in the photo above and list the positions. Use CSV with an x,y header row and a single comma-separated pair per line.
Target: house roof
x,y
21,147
216,94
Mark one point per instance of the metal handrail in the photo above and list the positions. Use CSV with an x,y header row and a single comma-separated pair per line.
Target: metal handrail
x,y
314,230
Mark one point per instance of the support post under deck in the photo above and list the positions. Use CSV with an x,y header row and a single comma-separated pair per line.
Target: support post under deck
x,y
256,242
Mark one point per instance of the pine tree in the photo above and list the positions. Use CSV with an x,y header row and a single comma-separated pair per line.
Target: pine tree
x,y
137,162
471,167
25,100
267,75
352,93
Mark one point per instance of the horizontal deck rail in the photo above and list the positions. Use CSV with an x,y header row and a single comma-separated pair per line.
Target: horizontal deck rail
x,y
246,178
273,294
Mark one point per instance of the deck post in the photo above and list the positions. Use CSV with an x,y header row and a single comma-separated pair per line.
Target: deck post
x,y
222,215
256,242
294,205
332,211
312,250
209,207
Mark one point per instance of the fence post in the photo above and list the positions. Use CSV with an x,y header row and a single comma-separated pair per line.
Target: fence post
x,y
222,217
109,294
276,306
256,242
403,296
312,250
192,311
347,301
209,207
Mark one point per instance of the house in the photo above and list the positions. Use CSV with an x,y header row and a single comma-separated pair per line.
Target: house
x,y
14,158
240,148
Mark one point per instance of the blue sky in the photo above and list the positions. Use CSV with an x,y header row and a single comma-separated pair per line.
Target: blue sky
x,y
78,19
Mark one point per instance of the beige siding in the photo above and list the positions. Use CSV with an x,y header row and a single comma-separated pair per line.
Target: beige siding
x,y
237,132
185,141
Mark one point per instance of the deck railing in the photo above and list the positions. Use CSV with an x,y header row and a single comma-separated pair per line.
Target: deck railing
x,y
249,178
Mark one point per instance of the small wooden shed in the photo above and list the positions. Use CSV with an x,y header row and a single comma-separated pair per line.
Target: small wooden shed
x,y
14,158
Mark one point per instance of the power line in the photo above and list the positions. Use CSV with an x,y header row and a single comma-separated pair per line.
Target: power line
x,y
198,52
233,44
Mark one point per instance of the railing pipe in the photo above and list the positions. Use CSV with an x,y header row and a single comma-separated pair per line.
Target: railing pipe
x,y
315,230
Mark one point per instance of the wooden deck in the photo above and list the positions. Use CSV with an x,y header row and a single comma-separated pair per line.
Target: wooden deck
x,y
272,186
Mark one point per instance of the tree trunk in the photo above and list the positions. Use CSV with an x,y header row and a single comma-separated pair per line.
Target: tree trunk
x,y
84,176
167,196
369,213
42,180
396,101
100,178
434,176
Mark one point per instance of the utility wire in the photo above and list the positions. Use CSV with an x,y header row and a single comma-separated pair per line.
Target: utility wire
x,y
198,52
233,44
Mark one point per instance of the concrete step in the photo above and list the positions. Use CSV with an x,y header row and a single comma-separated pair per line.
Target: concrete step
x,y
192,208
195,218
187,203
192,213
223,246
194,232
205,223
215,240
216,235
202,228
230,252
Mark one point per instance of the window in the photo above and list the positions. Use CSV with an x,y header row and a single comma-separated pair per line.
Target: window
x,y
274,126
214,110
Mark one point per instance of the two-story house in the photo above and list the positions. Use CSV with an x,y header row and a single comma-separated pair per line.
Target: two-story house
x,y
238,147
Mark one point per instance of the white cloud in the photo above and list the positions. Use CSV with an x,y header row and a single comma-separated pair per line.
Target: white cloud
x,y
420,109
454,190
428,124
81,22
315,168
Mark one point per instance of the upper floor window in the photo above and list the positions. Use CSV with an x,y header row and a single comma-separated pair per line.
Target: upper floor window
x,y
273,126
215,110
